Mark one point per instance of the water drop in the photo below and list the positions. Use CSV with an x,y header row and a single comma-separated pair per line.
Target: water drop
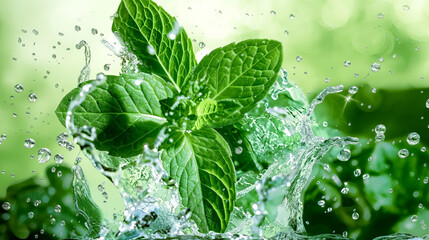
x,y
53,221
100,187
355,216
273,12
238,150
32,97
43,155
347,64
94,31
35,32
59,174
58,158
286,32
325,123
413,138
106,67
54,56
30,215
403,153
374,90
357,172
414,218
365,176
201,45
29,143
353,89
57,208
345,190
380,15
375,67
151,49
427,103
77,28
19,88
321,203
327,80
380,129
292,16
6,206
344,155
405,7
380,59
3,136
298,58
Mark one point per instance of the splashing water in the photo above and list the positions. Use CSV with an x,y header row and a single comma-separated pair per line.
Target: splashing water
x,y
84,73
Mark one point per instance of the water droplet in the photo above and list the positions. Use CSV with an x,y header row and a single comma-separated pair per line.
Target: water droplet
x,y
59,174
35,32
380,15
53,221
43,155
94,31
100,187
238,150
357,172
347,63
355,216
57,208
29,143
292,16
58,158
77,28
286,32
403,153
427,103
345,190
106,67
151,49
3,136
327,80
6,206
353,89
54,56
30,215
413,138
365,176
321,203
273,12
298,58
344,155
380,59
405,7
32,97
325,123
380,129
201,45
395,56
375,67
374,90
19,88
414,218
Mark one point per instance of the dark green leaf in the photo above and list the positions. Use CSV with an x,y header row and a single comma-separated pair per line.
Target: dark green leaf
x,y
200,161
156,39
231,80
125,111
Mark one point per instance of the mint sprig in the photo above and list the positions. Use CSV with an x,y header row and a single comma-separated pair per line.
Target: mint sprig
x,y
175,95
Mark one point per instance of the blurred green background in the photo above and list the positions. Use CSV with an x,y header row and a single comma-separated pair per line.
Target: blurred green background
x,y
318,38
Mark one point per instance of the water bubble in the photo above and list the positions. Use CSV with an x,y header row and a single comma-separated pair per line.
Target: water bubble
x,y
94,31
201,45
292,16
380,15
238,150
357,172
54,56
273,12
32,97
298,58
6,206
100,187
347,63
3,136
353,89
380,129
403,153
344,155
413,138
19,88
57,208
30,214
321,203
380,59
325,123
286,32
29,143
35,32
355,216
374,90
375,67
414,218
365,176
43,155
405,7
427,103
345,190
77,28
58,158
53,221
106,67
59,174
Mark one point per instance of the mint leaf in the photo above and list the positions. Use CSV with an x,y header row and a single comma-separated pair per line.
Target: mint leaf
x,y
200,162
125,111
231,80
156,39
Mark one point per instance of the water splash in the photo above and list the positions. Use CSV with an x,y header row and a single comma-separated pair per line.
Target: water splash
x,y
84,73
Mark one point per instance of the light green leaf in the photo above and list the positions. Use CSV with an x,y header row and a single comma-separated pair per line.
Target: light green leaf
x,y
156,39
236,77
125,111
200,162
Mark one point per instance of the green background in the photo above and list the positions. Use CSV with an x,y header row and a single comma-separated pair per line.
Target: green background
x,y
324,33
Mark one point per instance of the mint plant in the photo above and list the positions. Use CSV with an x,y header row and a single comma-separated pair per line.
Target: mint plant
x,y
170,93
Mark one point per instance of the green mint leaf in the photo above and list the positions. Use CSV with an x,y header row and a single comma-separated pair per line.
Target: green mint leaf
x,y
231,80
200,162
162,46
243,157
125,111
